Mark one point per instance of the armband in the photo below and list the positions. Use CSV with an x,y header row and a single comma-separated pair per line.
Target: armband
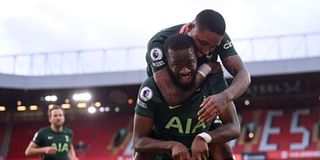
x,y
205,136
204,70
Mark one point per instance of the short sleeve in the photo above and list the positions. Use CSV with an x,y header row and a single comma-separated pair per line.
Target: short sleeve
x,y
71,135
145,104
226,48
155,56
37,138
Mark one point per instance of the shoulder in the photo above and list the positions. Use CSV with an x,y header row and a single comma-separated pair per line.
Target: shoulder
x,y
149,94
148,82
67,131
155,49
161,36
226,42
146,98
225,48
148,90
44,130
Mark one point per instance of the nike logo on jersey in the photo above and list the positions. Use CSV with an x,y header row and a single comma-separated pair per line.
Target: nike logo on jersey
x,y
209,56
173,107
50,137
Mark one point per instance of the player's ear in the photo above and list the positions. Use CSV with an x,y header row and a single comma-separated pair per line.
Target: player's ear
x,y
190,26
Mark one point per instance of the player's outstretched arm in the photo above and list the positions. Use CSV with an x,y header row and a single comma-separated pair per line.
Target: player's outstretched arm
x,y
34,150
72,153
241,77
215,104
144,144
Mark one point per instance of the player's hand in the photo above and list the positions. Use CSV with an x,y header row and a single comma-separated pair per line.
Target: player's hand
x,y
180,152
49,150
199,149
212,107
215,67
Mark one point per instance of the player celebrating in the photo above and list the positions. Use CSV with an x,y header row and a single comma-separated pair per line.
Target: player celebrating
x,y
164,132
208,31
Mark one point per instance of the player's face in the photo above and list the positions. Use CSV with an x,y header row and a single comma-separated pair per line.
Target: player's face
x,y
182,64
206,41
57,117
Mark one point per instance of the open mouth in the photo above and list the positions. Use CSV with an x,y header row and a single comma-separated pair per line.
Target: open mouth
x,y
185,79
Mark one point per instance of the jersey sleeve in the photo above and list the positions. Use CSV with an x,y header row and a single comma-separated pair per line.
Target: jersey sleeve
x,y
38,137
226,48
155,56
71,135
145,103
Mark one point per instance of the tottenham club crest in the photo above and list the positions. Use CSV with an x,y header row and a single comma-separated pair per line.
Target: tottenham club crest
x,y
145,94
156,54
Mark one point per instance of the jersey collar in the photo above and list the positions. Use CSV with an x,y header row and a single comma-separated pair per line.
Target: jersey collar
x,y
183,28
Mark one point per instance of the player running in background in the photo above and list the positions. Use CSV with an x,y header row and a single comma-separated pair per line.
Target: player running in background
x,y
53,142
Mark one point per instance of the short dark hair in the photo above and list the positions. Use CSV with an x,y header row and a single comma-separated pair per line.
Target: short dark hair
x,y
179,42
53,108
211,20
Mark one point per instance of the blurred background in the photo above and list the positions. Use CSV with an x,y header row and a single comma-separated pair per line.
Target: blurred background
x,y
89,57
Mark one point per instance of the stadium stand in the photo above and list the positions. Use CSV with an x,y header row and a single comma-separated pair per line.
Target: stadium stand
x,y
98,132
2,131
22,134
